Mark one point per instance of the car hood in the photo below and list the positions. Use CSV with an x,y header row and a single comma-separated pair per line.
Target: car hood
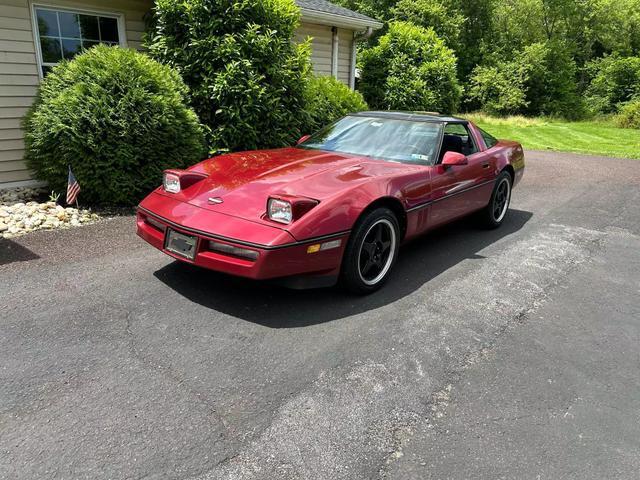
x,y
244,181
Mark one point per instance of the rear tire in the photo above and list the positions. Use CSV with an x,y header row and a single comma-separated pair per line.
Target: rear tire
x,y
496,211
371,252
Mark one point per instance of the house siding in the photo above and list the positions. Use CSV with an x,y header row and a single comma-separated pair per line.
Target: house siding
x,y
345,43
321,45
19,76
322,49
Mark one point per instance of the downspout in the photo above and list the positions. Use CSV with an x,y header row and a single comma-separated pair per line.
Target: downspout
x,y
352,68
357,37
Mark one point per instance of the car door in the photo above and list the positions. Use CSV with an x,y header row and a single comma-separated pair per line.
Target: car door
x,y
458,190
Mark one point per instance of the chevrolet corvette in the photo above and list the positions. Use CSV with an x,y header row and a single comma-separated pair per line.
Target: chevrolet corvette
x,y
335,207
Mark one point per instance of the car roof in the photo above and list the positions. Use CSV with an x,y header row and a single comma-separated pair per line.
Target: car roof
x,y
412,116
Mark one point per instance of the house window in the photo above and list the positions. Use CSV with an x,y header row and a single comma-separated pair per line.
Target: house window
x,y
62,34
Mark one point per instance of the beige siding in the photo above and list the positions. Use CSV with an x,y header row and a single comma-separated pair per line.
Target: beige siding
x,y
345,43
321,46
19,75
7,155
9,123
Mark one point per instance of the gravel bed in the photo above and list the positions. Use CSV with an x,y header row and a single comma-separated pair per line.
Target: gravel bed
x,y
24,210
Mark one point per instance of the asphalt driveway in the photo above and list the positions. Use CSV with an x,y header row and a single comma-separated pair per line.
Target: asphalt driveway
x,y
504,354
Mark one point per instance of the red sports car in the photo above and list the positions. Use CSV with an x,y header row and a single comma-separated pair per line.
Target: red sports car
x,y
336,206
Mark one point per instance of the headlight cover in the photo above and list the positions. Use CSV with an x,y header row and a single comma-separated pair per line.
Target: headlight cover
x,y
280,210
171,182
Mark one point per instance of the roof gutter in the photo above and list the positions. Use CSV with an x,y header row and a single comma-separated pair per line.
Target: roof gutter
x,y
335,20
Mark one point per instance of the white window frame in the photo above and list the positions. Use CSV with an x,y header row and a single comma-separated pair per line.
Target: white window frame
x,y
71,9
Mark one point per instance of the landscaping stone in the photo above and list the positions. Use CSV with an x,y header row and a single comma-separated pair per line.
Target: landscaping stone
x,y
19,213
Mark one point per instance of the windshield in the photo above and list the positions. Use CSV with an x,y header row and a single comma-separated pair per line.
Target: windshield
x,y
386,138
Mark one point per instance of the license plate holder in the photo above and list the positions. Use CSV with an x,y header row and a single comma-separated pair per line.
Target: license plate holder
x,y
181,244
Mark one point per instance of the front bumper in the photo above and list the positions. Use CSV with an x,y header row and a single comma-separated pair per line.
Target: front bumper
x,y
275,260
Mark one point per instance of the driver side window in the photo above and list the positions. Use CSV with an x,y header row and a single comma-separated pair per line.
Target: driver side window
x,y
457,138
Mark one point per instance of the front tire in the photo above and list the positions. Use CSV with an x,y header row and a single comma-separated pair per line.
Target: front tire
x,y
495,212
371,252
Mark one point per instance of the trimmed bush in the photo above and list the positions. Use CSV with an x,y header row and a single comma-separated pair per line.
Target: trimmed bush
x,y
328,100
410,69
629,116
118,118
247,78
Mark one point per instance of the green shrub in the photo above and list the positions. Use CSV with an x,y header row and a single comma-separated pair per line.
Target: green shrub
x,y
629,116
614,81
247,78
549,74
410,69
118,118
328,100
540,80
497,90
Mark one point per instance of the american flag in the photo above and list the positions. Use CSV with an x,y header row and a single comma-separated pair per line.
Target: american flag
x,y
73,188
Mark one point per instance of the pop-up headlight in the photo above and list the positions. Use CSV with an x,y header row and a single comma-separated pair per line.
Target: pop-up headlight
x,y
288,208
280,210
171,182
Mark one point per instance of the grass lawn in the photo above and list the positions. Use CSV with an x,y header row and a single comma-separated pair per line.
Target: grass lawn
x,y
595,138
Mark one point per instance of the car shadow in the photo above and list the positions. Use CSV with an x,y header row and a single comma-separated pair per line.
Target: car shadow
x,y
276,307
11,252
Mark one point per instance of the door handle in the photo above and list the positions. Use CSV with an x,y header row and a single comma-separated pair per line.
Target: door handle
x,y
485,165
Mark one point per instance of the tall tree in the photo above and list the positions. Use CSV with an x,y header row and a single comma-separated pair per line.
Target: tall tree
x,y
446,21
476,32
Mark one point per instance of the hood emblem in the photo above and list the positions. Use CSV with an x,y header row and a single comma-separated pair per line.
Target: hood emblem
x,y
215,200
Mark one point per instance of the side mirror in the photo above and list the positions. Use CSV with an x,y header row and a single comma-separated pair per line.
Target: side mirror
x,y
302,139
454,158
